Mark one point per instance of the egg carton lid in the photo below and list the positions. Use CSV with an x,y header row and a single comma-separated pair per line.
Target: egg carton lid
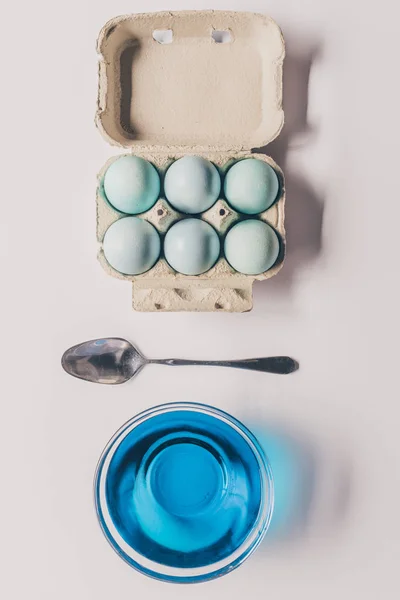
x,y
190,81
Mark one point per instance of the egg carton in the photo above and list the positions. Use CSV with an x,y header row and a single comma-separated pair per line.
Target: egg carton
x,y
192,95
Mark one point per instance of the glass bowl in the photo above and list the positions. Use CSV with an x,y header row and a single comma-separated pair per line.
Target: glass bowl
x,y
183,492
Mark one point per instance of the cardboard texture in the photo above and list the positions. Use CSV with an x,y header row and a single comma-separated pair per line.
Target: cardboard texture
x,y
191,96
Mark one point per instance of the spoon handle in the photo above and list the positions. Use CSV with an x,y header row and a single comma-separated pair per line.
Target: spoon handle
x,y
281,365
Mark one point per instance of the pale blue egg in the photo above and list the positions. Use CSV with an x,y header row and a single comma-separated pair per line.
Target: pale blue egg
x,y
251,247
191,246
131,185
131,245
251,186
192,184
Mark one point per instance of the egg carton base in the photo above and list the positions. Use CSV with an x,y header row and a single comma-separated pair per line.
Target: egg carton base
x,y
194,296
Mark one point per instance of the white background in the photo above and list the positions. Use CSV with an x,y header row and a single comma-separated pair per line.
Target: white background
x,y
334,307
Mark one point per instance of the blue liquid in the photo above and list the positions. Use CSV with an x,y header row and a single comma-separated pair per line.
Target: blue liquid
x,y
184,489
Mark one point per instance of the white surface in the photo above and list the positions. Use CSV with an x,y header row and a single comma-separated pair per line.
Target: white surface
x,y
334,307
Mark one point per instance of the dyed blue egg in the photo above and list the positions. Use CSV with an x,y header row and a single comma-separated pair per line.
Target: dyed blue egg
x,y
191,246
131,185
192,184
251,186
251,247
131,245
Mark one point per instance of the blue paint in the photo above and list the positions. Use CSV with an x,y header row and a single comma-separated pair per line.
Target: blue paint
x,y
186,479
184,489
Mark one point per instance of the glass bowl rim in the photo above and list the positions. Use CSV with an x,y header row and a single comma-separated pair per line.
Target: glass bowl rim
x,y
181,574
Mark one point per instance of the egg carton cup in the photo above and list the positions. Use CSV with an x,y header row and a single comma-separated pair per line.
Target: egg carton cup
x,y
191,96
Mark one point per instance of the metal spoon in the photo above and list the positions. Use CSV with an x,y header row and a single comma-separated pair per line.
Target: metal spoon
x,y
115,360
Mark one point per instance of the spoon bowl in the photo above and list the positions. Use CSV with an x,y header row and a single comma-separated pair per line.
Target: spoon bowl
x,y
107,360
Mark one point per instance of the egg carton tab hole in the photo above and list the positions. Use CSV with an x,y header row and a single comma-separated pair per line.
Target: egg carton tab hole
x,y
221,36
163,36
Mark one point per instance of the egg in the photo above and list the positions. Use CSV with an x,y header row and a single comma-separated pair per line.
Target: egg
x,y
131,245
192,184
131,185
191,246
251,186
251,247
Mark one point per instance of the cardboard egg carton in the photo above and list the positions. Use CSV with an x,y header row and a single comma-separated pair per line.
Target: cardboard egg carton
x,y
192,95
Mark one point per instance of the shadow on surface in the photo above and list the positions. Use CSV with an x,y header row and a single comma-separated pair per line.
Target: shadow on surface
x,y
304,208
312,488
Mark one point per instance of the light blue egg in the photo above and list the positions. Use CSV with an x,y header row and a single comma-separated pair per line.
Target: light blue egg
x,y
192,184
131,185
191,246
131,245
251,186
251,247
